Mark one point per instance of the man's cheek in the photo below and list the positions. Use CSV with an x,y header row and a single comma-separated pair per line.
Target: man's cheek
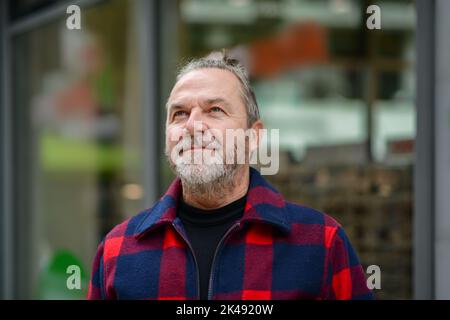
x,y
169,144
173,154
174,133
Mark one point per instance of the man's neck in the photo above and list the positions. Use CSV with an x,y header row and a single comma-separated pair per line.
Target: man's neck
x,y
219,197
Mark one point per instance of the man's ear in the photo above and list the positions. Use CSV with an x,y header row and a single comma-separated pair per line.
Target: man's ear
x,y
256,135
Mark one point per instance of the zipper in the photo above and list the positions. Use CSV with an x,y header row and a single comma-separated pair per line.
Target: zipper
x,y
214,258
195,259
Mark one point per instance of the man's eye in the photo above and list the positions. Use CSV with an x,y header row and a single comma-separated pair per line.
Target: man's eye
x,y
216,109
179,114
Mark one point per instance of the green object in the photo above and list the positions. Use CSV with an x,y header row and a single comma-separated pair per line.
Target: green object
x,y
61,155
54,278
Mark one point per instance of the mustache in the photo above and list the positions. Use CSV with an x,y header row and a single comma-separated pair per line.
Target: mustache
x,y
197,141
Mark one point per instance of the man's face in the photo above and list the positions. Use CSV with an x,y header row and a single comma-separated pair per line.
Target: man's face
x,y
203,104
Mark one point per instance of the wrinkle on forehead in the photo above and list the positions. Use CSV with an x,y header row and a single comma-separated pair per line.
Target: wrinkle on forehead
x,y
208,82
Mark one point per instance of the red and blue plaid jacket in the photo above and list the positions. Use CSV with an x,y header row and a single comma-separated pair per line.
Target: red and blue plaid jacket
x,y
277,250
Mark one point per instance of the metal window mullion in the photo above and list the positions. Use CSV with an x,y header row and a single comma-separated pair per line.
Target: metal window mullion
x,y
424,168
145,15
442,152
6,215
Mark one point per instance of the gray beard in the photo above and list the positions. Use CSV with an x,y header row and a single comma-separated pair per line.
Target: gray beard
x,y
208,181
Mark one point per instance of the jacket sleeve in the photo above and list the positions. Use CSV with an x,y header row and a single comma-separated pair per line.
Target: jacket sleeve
x,y
345,278
96,283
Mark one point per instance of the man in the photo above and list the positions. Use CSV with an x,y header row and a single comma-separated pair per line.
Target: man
x,y
221,231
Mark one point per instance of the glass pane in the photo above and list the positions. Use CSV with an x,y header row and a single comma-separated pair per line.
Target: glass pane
x,y
342,98
79,132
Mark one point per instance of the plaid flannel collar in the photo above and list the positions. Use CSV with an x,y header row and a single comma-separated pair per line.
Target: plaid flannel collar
x,y
264,204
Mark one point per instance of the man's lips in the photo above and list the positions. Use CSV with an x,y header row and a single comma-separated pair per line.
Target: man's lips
x,y
197,148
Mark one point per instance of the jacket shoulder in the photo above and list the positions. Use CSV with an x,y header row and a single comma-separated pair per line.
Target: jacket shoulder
x,y
302,214
127,227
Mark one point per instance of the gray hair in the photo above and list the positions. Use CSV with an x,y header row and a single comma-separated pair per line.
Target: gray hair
x,y
220,60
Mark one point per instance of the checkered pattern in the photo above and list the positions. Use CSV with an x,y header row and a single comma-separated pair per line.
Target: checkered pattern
x,y
277,250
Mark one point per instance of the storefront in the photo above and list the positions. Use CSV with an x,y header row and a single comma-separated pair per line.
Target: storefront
x,y
363,118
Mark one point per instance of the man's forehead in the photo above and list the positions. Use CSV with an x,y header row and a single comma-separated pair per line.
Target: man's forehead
x,y
208,74
180,101
212,79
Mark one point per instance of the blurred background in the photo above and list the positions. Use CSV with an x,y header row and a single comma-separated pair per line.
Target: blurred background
x,y
364,119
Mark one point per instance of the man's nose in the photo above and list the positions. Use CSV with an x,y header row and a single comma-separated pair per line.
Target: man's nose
x,y
195,122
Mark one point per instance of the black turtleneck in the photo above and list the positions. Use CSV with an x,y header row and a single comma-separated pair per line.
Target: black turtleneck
x,y
204,229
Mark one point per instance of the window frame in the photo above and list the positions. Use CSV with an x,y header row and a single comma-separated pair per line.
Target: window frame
x,y
14,281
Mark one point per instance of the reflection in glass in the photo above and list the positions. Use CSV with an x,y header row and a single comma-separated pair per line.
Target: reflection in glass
x,y
80,143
